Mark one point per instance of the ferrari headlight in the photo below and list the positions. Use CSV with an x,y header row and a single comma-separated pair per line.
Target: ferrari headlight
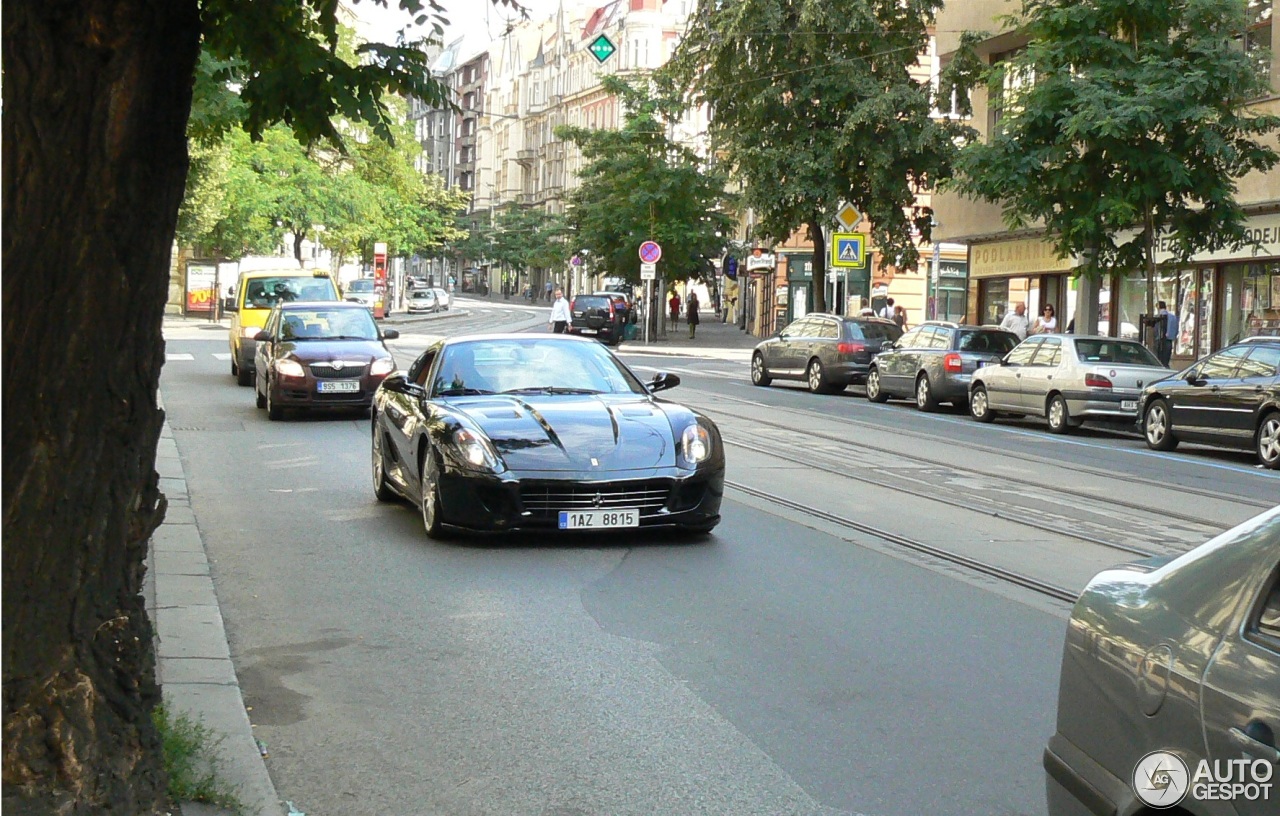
x,y
475,451
289,368
383,366
696,444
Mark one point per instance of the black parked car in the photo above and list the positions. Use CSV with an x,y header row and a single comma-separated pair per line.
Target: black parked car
x,y
596,316
934,361
1231,398
537,431
825,351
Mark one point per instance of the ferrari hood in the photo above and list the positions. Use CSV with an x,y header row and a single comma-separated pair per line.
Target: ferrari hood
x,y
575,432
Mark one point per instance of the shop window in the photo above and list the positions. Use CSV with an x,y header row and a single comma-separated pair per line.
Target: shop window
x,y
1250,302
995,301
1132,303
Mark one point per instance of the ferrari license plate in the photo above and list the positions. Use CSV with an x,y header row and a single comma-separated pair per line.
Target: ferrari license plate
x,y
1128,405
598,519
337,386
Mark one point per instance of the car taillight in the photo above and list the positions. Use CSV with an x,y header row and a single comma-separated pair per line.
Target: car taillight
x,y
1096,381
952,364
573,305
851,348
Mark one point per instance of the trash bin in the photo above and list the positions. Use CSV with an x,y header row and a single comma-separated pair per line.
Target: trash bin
x,y
630,331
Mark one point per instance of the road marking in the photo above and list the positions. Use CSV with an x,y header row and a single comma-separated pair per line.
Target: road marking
x,y
224,356
694,372
173,357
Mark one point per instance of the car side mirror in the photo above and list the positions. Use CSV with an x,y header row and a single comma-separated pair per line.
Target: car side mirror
x,y
263,336
1006,361
1194,378
889,345
390,334
229,305
662,381
398,382
782,335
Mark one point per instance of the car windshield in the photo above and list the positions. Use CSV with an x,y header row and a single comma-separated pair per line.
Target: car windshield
x,y
328,324
1119,352
996,342
533,366
591,302
423,294
263,293
362,285
871,331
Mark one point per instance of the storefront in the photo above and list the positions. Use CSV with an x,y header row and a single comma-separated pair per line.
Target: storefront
x,y
1218,297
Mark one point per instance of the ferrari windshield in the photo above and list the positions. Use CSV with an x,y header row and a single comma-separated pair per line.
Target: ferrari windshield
x,y
538,365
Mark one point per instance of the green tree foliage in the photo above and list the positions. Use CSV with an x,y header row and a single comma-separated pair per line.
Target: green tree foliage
x,y
638,185
522,238
1122,120
814,104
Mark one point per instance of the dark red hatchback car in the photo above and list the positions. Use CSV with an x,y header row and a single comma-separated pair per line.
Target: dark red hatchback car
x,y
320,355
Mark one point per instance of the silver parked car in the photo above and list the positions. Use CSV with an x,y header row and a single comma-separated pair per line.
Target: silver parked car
x,y
1168,664
1067,379
825,351
422,300
443,298
934,362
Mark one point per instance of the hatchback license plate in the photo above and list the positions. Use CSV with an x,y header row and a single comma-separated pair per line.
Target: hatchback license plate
x,y
1128,405
339,386
598,519
588,331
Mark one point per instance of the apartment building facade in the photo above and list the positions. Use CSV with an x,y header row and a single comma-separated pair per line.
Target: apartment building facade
x,y
1219,297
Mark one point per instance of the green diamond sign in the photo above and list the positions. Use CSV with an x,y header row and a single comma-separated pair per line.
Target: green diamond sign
x,y
602,48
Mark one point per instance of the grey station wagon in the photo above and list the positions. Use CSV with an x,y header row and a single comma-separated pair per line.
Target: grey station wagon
x,y
825,351
934,362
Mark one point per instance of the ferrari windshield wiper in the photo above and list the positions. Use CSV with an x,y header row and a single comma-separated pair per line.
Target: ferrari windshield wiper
x,y
461,392
552,389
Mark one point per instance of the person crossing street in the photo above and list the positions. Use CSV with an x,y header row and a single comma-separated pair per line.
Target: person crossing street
x,y
560,315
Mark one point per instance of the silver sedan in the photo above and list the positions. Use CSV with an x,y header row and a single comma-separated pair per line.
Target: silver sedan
x,y
1171,681
1066,379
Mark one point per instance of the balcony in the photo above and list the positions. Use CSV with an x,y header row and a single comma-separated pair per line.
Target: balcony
x,y
527,199
528,156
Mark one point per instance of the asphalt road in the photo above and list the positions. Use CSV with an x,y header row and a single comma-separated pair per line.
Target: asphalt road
x,y
790,664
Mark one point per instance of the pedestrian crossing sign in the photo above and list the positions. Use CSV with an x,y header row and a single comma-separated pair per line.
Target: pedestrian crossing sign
x,y
848,250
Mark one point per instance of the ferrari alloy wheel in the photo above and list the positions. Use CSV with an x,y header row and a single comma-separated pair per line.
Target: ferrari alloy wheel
x,y
430,503
1059,416
874,392
1268,441
980,405
380,487
759,374
924,394
1157,427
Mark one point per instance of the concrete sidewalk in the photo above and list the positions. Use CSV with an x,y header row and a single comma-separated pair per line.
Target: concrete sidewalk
x,y
193,658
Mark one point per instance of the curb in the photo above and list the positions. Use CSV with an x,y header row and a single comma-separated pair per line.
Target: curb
x,y
193,658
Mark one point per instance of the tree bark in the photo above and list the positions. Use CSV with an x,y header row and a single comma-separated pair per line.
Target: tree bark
x,y
818,237
96,103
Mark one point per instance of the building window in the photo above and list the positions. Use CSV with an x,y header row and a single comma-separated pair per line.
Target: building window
x,y
1257,38
1004,94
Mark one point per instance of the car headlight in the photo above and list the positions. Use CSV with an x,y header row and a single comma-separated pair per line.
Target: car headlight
x,y
475,451
381,367
249,332
695,442
289,368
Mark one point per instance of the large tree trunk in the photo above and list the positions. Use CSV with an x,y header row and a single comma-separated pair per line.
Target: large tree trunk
x,y
818,237
97,96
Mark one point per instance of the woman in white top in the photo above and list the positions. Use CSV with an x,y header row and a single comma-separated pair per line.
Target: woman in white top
x,y
1046,323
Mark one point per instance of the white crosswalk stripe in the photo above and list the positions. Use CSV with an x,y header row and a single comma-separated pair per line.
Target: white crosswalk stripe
x,y
223,356
173,357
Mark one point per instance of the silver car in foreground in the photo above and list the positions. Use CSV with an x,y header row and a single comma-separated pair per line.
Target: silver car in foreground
x,y
1066,379
1171,673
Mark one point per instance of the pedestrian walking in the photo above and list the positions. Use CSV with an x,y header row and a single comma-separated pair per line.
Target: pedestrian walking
x,y
692,314
1016,321
886,311
674,303
549,287
1046,323
560,316
900,317
1166,324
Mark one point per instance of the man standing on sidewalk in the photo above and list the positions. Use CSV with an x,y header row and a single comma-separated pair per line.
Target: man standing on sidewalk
x,y
560,316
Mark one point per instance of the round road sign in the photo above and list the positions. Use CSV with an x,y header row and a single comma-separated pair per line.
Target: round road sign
x,y
650,252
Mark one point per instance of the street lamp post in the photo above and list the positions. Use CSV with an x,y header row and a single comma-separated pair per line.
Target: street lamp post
x,y
934,272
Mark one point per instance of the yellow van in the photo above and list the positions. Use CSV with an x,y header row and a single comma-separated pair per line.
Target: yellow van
x,y
251,303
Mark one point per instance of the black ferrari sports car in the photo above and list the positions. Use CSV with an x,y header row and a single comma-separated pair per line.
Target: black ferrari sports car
x,y
536,431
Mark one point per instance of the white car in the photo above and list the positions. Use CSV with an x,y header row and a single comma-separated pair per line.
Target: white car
x,y
421,301
443,298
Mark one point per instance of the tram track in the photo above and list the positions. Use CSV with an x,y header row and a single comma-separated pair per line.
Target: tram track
x,y
973,564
